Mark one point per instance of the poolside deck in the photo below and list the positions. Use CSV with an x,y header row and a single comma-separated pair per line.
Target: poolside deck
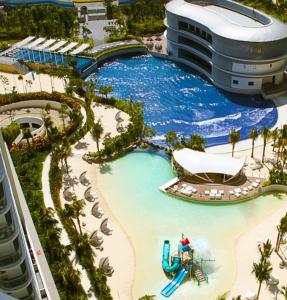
x,y
212,192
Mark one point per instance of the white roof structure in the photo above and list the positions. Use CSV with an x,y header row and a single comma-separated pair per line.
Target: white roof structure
x,y
196,162
230,19
80,49
24,42
46,44
35,43
57,46
68,47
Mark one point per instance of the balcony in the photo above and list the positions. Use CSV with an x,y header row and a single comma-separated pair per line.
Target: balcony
x,y
6,232
9,260
15,283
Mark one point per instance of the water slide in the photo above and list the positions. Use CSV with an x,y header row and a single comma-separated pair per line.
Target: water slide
x,y
175,283
165,259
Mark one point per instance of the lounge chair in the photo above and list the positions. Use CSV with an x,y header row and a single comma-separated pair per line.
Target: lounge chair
x,y
218,196
221,192
257,180
255,184
237,195
244,193
194,190
245,189
250,187
231,192
207,193
212,196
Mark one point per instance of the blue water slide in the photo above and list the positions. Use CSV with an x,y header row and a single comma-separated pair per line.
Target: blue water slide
x,y
165,259
175,283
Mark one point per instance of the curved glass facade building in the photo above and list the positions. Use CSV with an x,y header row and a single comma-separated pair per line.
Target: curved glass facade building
x,y
238,48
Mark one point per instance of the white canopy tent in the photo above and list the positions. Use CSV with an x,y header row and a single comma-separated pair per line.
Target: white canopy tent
x,y
57,46
80,49
68,47
195,162
24,42
46,44
35,43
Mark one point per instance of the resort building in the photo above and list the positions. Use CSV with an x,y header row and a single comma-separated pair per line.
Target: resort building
x,y
238,48
25,273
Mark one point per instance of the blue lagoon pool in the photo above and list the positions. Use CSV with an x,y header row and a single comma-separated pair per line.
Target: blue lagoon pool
x,y
176,98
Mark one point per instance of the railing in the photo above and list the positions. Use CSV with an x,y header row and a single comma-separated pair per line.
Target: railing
x,y
14,283
6,231
10,259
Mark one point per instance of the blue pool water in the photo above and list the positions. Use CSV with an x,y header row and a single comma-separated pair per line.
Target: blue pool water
x,y
176,98
52,58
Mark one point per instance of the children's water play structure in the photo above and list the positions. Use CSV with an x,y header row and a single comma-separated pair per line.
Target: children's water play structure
x,y
180,265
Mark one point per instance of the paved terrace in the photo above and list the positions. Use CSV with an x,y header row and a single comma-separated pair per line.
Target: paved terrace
x,y
217,193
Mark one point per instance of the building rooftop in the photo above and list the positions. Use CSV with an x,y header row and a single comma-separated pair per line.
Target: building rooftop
x,y
230,19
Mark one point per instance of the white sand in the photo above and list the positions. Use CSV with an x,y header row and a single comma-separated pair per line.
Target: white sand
x,y
116,246
41,82
246,248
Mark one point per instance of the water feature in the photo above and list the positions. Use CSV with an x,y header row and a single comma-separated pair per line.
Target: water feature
x,y
177,98
150,216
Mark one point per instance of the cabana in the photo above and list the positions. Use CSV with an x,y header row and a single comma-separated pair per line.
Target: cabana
x,y
210,168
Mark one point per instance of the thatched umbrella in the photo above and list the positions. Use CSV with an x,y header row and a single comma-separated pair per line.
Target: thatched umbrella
x,y
84,179
105,265
68,194
158,47
97,211
149,45
96,239
105,228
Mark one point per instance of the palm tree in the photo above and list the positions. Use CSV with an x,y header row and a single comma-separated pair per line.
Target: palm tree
x,y
63,113
234,138
253,135
282,230
78,205
21,78
105,90
262,272
265,133
274,136
27,135
68,213
171,138
196,142
283,291
266,249
97,131
5,82
64,151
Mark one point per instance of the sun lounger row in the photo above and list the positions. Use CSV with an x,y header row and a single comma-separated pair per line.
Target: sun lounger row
x,y
244,191
185,189
214,193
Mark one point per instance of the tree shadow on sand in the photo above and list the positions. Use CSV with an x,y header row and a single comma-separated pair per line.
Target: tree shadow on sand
x,y
105,168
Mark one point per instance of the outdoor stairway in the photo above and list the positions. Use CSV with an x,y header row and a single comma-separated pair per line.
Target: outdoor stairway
x,y
199,276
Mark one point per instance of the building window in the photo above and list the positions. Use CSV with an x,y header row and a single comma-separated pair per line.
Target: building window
x,y
235,81
251,83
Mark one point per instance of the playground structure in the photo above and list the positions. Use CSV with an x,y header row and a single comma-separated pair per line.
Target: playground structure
x,y
180,265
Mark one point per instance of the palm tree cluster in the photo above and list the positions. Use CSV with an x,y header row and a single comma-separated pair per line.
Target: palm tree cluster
x,y
195,142
262,270
282,232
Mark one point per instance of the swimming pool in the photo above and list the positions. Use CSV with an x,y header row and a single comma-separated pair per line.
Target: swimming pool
x,y
177,98
52,58
149,217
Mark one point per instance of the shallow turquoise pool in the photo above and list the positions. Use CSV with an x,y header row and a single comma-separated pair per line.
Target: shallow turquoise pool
x,y
150,216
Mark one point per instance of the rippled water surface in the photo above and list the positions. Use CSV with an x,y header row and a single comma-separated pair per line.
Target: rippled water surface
x,y
177,98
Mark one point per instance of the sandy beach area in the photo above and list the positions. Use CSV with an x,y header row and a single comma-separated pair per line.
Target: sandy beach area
x,y
247,244
117,246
